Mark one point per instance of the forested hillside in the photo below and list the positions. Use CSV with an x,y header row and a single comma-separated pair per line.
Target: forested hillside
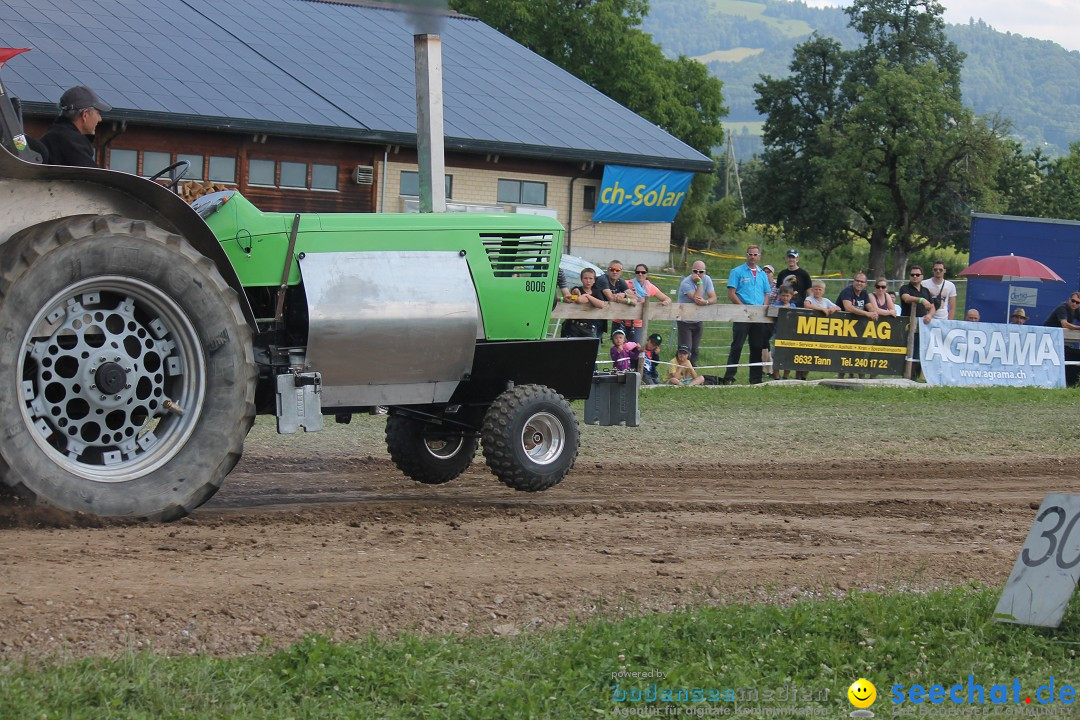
x,y
1033,83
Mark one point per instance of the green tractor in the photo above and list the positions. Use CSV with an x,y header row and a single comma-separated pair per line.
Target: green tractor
x,y
142,336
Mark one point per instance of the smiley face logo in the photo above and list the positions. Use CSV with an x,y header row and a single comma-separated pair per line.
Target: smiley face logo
x,y
862,693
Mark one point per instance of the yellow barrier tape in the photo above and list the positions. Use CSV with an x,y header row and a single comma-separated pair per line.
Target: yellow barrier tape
x,y
709,253
809,345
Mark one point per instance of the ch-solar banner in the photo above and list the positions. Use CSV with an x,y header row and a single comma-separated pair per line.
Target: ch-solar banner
x,y
633,194
964,353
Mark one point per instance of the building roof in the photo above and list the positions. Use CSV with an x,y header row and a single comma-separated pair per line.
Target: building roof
x,y
313,68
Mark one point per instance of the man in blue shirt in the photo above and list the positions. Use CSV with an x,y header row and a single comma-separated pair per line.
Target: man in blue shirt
x,y
748,285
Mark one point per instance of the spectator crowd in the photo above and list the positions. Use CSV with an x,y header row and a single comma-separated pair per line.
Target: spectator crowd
x,y
754,283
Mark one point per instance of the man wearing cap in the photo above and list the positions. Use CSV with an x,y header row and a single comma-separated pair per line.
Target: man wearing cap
x,y
1018,317
801,278
69,140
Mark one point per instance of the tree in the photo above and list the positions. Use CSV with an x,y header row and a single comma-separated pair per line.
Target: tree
x,y
1061,197
1033,185
788,189
875,142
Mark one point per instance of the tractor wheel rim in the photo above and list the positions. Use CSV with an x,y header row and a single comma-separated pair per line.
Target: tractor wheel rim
x,y
112,378
443,448
543,438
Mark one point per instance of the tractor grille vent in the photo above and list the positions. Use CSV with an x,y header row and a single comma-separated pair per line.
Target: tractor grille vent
x,y
518,255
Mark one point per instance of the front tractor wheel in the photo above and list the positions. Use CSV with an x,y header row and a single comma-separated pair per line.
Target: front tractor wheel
x,y
126,376
424,453
530,438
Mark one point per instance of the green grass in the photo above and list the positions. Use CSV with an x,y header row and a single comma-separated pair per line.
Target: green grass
x,y
764,423
818,646
731,55
756,11
923,423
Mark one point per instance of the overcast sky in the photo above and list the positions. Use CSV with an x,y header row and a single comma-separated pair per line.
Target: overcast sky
x,y
1057,20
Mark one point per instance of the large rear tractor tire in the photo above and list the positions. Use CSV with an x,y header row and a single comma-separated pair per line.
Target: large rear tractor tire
x,y
127,378
426,455
530,438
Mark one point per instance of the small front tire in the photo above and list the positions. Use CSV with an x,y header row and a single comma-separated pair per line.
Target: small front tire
x,y
424,453
530,438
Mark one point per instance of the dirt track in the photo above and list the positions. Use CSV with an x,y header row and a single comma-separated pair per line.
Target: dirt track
x,y
344,547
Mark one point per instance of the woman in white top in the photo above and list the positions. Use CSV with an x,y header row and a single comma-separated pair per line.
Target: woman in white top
x,y
816,300
881,298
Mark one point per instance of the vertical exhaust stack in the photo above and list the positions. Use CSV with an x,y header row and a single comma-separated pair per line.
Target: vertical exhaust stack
x,y
429,122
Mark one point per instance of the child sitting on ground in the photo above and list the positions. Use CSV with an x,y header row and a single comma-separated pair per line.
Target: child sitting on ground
x,y
683,372
623,353
651,376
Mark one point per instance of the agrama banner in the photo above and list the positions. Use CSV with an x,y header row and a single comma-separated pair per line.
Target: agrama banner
x,y
839,343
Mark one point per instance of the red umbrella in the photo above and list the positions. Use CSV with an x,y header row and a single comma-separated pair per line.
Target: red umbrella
x,y
1011,268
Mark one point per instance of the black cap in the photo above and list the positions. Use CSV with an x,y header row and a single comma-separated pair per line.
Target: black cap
x,y
683,348
657,338
81,97
793,253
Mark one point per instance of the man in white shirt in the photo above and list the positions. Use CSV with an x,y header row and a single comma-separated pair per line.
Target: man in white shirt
x,y
942,293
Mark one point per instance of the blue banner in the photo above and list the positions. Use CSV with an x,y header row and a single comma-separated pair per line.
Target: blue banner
x,y
633,194
966,353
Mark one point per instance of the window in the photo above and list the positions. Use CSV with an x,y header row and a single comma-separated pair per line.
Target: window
x,y
195,169
223,169
293,175
324,177
289,174
260,172
124,160
410,183
590,197
155,162
522,192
